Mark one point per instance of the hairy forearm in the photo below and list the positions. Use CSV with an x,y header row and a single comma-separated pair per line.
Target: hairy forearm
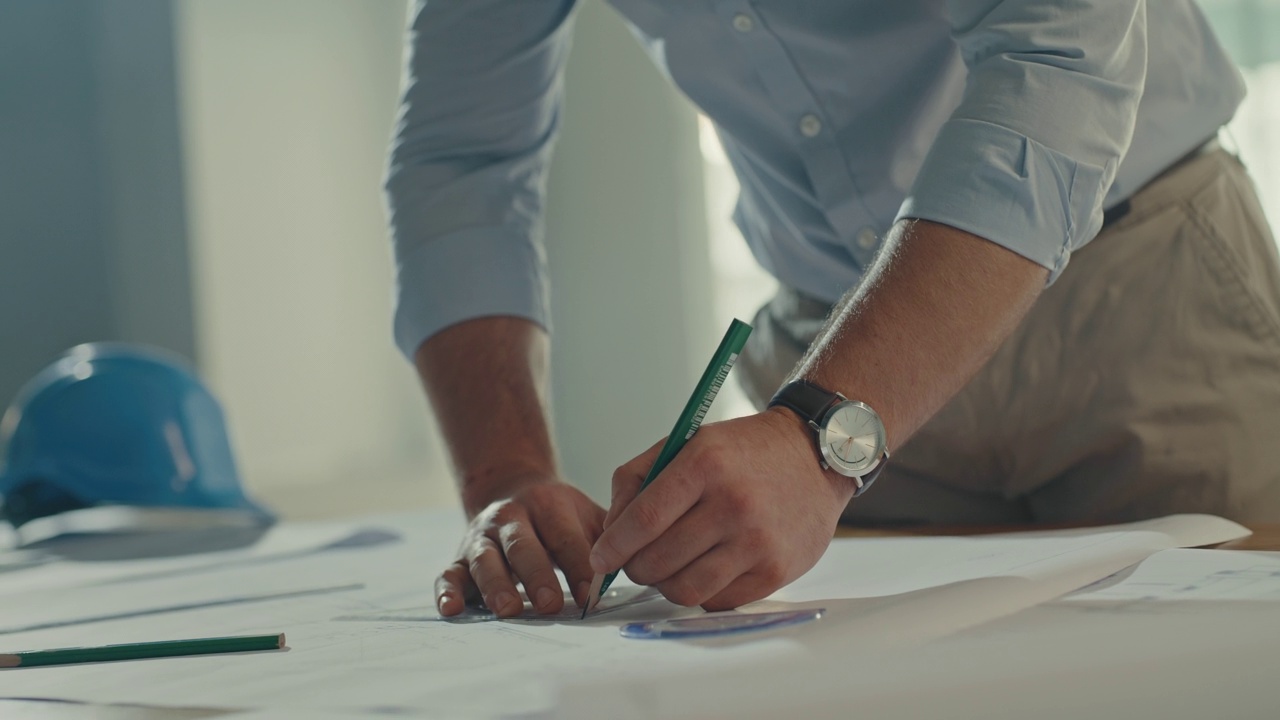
x,y
934,307
487,380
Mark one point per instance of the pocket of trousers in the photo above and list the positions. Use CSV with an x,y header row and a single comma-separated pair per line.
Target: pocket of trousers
x,y
1232,249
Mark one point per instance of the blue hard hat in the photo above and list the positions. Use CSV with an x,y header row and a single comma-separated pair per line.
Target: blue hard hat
x,y
116,424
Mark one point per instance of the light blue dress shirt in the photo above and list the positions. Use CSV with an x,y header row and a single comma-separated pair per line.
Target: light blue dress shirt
x,y
1016,120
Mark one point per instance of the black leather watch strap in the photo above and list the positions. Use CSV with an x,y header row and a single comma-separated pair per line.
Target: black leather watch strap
x,y
806,399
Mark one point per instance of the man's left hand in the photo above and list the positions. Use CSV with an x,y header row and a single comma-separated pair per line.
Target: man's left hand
x,y
744,509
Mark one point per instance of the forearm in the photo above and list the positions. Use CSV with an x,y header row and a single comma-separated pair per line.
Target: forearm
x,y
933,308
487,380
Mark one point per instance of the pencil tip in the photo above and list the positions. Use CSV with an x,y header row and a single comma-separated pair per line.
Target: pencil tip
x,y
593,595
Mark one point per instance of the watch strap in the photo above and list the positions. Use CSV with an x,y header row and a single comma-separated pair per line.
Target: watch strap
x,y
807,400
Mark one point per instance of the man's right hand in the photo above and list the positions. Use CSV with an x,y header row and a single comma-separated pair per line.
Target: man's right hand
x,y
523,537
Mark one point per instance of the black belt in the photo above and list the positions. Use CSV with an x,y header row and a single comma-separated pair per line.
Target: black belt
x,y
1114,213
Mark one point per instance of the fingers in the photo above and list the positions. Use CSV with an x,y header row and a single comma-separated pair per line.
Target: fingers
x,y
704,578
642,521
514,541
531,564
452,588
493,579
627,480
749,587
568,543
691,537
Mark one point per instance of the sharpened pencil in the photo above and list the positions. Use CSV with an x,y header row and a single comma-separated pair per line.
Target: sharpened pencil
x,y
735,338
143,650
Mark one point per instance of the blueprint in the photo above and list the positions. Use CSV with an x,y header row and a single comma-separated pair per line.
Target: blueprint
x,y
1183,634
361,632
1190,575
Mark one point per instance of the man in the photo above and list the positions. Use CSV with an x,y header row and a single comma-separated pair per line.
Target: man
x,y
930,165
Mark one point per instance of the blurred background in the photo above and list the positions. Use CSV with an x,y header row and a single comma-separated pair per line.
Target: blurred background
x,y
206,177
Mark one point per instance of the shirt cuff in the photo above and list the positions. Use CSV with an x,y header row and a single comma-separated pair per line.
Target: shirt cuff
x,y
1001,185
477,272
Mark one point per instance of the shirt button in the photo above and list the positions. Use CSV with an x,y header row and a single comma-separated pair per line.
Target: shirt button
x,y
742,22
810,125
867,238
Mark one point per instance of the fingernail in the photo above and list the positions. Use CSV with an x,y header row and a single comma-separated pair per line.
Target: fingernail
x,y
505,602
546,596
597,562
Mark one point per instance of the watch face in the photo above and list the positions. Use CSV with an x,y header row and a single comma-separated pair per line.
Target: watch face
x,y
852,438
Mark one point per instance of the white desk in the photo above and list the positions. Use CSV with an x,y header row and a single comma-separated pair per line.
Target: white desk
x,y
410,565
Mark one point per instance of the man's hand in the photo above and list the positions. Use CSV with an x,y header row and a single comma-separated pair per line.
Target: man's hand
x,y
487,378
742,511
523,537
746,508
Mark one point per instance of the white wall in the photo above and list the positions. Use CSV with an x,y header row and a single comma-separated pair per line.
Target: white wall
x,y
287,108
627,244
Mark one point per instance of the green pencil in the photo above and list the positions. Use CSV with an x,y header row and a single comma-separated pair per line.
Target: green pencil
x,y
686,425
139,651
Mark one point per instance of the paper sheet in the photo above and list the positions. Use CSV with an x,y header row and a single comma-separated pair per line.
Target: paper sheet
x,y
943,586
625,598
29,571
1187,575
1187,634
881,593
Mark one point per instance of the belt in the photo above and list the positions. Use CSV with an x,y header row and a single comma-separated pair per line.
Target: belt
x,y
1114,213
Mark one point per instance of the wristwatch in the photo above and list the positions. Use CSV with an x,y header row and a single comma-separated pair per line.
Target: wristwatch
x,y
850,435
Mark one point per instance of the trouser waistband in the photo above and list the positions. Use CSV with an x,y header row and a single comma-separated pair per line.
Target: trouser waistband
x,y
1116,212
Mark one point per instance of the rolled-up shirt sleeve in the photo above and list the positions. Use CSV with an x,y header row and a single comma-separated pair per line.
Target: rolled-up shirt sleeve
x,y
1026,159
465,184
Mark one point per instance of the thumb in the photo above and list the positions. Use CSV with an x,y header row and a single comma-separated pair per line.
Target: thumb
x,y
627,480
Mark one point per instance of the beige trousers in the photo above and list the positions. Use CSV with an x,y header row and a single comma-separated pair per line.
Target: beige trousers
x,y
1145,381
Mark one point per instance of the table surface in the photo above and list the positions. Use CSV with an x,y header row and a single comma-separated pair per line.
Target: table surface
x,y
1264,537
